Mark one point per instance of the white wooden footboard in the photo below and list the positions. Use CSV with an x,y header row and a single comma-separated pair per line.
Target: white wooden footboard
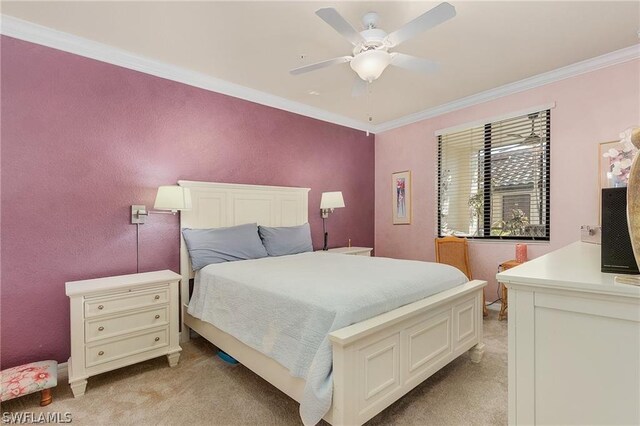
x,y
375,362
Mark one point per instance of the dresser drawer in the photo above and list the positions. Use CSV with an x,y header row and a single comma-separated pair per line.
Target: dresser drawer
x,y
102,328
99,353
119,302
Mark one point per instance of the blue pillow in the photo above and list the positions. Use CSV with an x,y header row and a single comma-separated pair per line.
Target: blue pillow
x,y
286,240
207,246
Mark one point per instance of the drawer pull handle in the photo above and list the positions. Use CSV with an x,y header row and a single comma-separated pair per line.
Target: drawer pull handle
x,y
157,339
157,296
100,328
100,307
101,353
157,316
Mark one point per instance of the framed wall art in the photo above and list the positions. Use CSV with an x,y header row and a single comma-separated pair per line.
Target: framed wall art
x,y
615,160
401,187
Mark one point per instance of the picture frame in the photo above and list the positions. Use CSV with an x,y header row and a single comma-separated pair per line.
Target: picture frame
x,y
614,163
401,197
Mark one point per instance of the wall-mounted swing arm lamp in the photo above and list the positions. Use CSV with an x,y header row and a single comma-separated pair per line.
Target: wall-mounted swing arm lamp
x,y
169,200
329,201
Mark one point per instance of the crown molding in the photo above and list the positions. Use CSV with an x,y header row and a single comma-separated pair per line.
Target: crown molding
x,y
34,33
582,67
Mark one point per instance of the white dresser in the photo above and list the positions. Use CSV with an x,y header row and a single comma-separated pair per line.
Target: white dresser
x,y
354,251
574,341
122,320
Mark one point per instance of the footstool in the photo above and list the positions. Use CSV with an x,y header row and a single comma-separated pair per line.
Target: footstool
x,y
29,378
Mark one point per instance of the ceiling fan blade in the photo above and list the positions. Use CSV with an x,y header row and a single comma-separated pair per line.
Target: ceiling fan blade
x,y
436,16
359,87
318,65
412,63
341,25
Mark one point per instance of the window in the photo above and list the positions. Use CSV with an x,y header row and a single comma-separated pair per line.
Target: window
x,y
493,179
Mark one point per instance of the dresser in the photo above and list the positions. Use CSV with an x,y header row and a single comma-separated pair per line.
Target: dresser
x,y
121,320
354,251
574,341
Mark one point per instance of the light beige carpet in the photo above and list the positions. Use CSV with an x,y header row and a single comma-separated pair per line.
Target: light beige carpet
x,y
202,389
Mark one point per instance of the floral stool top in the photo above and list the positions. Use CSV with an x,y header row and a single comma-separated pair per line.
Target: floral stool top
x,y
28,378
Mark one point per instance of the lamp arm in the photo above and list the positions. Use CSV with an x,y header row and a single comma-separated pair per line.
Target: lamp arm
x,y
173,212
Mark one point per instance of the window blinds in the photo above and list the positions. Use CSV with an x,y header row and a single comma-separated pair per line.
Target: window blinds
x,y
493,179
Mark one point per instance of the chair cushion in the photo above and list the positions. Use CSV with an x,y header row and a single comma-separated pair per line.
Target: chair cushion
x,y
28,378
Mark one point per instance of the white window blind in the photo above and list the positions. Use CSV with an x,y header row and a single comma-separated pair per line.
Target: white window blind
x,y
494,179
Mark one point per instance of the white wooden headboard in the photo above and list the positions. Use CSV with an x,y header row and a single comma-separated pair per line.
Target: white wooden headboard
x,y
216,205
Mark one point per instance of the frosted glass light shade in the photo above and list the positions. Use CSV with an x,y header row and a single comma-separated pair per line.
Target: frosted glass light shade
x,y
370,64
332,200
173,197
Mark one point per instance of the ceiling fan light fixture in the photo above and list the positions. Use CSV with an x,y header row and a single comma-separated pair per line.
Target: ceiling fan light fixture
x,y
370,64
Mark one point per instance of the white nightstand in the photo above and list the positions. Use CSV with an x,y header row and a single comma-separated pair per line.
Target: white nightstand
x,y
119,321
355,251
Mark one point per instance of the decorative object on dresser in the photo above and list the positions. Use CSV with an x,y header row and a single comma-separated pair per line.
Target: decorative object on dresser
x,y
504,294
401,194
328,202
521,253
454,251
122,320
614,162
574,341
355,251
633,194
39,376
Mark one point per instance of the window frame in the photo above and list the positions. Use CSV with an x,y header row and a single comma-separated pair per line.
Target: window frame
x,y
489,194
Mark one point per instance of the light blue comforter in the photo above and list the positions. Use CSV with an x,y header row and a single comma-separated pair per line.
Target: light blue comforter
x,y
285,306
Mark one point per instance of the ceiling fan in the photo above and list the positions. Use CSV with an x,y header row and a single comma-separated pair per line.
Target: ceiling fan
x,y
531,138
371,46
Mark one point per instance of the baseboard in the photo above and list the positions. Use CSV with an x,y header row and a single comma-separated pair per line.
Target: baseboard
x,y
63,369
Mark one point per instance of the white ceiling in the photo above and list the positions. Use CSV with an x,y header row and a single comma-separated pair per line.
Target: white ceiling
x,y
254,44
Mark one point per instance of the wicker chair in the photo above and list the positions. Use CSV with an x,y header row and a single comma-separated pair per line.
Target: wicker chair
x,y
454,251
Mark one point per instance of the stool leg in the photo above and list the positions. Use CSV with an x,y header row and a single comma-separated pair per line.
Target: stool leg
x,y
45,397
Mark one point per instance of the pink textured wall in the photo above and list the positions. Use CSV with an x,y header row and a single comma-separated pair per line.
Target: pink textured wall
x,y
590,108
83,140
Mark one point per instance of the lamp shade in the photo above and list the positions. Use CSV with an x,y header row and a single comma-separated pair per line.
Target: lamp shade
x,y
370,64
332,200
173,197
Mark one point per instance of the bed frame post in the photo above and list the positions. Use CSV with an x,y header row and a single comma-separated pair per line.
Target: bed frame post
x,y
477,351
185,269
344,386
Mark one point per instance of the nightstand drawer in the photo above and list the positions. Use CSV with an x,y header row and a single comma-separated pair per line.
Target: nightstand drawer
x,y
104,352
102,328
119,302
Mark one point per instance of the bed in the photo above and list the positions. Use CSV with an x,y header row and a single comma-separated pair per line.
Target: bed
x,y
373,361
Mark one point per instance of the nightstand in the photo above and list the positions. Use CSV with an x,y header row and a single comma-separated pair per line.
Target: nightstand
x,y
122,320
354,251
